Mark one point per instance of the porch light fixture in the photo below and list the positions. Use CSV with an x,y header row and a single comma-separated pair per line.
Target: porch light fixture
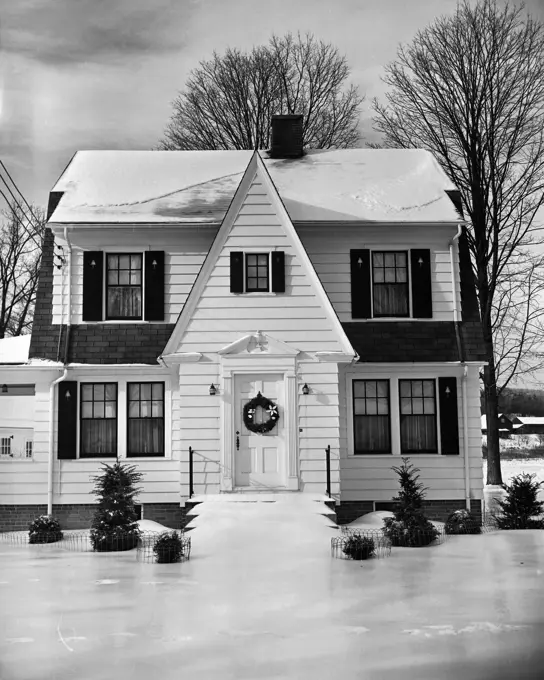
x,y
213,390
305,389
4,389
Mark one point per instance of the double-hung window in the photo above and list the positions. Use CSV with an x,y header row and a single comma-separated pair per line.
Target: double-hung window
x,y
98,422
371,419
124,286
5,446
418,426
145,419
390,283
257,272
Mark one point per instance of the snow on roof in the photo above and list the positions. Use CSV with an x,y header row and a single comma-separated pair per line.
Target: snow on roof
x,y
531,420
14,350
383,185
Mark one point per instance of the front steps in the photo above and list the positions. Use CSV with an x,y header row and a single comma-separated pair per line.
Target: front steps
x,y
293,503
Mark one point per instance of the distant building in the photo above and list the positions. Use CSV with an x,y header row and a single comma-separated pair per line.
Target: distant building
x,y
530,425
507,425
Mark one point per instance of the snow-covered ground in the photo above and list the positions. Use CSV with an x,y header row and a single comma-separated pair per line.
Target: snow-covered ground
x,y
261,597
510,468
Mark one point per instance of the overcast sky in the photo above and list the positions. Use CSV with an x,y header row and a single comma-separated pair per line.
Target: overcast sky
x,y
100,74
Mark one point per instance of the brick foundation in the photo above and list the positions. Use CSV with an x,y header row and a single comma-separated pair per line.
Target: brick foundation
x,y
348,511
79,516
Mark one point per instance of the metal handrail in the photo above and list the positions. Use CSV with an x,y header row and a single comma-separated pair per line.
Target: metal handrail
x,y
328,455
191,489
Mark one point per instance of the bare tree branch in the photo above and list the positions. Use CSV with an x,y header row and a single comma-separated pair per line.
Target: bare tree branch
x,y
470,88
20,259
228,100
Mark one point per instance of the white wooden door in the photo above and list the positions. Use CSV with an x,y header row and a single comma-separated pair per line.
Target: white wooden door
x,y
259,459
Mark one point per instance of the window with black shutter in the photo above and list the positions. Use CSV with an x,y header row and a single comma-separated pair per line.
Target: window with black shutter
x,y
257,272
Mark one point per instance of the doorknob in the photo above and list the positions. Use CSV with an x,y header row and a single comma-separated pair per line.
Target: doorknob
x,y
237,440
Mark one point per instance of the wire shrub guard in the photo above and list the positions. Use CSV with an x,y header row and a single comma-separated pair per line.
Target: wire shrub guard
x,y
345,547
419,537
80,541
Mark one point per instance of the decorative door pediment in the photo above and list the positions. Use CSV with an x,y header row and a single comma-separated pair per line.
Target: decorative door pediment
x,y
258,344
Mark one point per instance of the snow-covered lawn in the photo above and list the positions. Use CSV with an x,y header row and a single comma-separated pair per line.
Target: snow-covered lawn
x,y
510,468
261,597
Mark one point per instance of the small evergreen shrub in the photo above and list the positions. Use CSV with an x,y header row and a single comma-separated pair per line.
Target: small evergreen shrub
x,y
115,525
359,547
44,529
462,522
409,527
168,548
521,507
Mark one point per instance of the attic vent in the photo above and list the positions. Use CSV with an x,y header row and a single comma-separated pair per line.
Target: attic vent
x,y
286,133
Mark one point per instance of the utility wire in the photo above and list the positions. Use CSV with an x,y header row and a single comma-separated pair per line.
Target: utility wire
x,y
18,190
14,200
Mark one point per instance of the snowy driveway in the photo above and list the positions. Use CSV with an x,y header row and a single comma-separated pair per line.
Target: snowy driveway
x,y
264,599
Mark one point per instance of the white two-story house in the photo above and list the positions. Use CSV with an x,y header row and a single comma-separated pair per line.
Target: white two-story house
x,y
258,309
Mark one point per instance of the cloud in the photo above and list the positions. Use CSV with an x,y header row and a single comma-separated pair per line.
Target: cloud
x,y
60,32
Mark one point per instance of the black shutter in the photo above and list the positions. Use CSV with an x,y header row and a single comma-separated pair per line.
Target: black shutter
x,y
67,420
93,281
422,300
237,272
154,285
278,271
449,422
360,284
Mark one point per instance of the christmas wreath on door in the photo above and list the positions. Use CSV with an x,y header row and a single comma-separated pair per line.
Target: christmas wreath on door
x,y
251,409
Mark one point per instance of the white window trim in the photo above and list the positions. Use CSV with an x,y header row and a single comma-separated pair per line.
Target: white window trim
x,y
410,316
122,422
259,251
394,408
119,250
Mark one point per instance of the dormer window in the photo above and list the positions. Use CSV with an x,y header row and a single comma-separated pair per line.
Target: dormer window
x,y
390,283
257,272
124,286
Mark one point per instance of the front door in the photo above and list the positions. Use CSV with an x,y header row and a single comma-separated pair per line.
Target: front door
x,y
259,459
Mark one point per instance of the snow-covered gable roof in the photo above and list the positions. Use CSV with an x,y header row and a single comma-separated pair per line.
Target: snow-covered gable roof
x,y
14,350
531,420
375,185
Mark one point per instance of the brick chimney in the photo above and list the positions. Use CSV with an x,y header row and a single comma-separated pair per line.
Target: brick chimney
x,y
286,136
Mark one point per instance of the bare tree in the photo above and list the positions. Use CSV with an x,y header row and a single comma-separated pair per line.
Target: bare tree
x,y
470,88
20,256
228,100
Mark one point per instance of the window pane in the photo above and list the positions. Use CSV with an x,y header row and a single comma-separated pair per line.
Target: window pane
x,y
417,405
377,259
401,275
110,409
359,407
390,276
98,438
124,261
251,260
405,405
400,259
378,276
263,283
405,388
111,392
156,409
86,409
145,409
86,392
99,392
383,406
135,278
146,437
428,405
145,391
371,434
124,278
358,388
112,278
156,391
390,299
370,388
113,262
428,388
133,391
98,410
252,271
389,259
417,388
134,409
371,407
382,388
262,259
418,433
136,261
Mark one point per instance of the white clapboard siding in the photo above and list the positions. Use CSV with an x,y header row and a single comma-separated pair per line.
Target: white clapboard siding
x,y
370,477
329,251
259,231
185,251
